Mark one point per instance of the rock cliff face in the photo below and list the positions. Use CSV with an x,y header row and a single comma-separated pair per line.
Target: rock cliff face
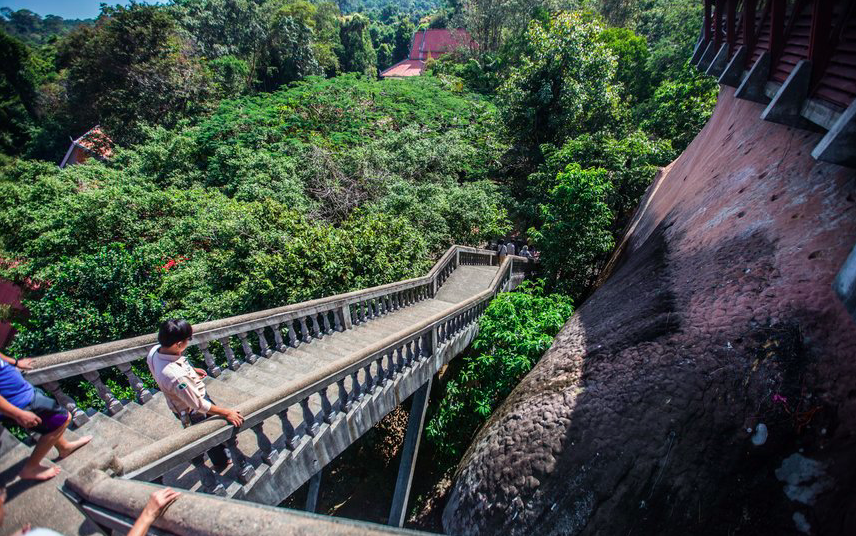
x,y
709,385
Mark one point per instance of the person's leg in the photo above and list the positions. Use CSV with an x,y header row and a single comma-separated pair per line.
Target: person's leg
x,y
66,447
55,419
33,468
218,455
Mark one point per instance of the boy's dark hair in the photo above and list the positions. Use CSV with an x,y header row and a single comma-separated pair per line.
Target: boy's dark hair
x,y
174,330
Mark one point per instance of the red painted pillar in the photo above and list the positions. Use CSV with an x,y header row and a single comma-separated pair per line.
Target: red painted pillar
x,y
819,39
717,24
777,28
749,26
821,26
708,4
731,25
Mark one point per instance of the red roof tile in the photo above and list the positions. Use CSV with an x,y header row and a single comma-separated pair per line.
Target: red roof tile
x,y
433,43
96,142
404,68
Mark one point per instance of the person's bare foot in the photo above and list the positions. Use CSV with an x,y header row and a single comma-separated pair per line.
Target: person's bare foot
x,y
71,446
39,472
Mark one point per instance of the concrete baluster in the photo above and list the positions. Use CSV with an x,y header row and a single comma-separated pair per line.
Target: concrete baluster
x,y
269,454
245,469
346,317
263,343
291,438
304,330
326,406
293,339
78,417
342,402
143,394
408,349
369,379
309,418
316,328
325,322
210,483
381,373
278,341
429,343
417,349
390,365
399,359
249,356
338,319
356,390
104,393
361,315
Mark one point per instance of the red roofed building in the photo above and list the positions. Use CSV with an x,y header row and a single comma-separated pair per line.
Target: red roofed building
x,y
429,44
93,143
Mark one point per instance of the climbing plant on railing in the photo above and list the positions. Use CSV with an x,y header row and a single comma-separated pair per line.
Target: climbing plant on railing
x,y
515,331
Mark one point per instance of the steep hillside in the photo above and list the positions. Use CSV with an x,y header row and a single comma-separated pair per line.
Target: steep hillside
x,y
717,318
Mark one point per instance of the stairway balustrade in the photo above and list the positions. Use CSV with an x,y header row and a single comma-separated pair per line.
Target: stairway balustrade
x,y
297,427
216,341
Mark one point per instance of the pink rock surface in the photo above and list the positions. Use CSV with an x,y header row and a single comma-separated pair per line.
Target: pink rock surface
x,y
717,316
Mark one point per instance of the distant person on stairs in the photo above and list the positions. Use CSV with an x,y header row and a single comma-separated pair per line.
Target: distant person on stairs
x,y
182,384
31,408
511,249
502,252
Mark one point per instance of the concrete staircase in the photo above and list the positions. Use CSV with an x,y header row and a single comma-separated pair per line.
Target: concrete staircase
x,y
137,426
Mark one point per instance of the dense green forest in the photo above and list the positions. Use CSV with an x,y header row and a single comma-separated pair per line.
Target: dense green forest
x,y
259,160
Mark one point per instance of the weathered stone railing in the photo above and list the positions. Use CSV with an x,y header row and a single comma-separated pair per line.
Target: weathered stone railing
x,y
256,334
346,380
114,504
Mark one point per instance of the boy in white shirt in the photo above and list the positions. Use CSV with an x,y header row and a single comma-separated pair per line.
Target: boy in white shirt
x,y
182,384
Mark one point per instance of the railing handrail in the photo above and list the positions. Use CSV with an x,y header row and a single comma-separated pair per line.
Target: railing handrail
x,y
52,367
157,458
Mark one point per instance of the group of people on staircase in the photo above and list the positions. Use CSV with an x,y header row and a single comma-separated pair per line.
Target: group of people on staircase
x,y
30,408
503,249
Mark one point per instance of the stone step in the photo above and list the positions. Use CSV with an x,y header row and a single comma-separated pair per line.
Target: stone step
x,y
109,438
147,421
240,380
39,504
225,395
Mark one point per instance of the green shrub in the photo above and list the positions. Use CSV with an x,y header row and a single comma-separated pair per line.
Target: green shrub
x,y
514,332
576,235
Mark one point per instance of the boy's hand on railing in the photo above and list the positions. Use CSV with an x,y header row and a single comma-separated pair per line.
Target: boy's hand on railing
x,y
201,372
234,417
25,363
